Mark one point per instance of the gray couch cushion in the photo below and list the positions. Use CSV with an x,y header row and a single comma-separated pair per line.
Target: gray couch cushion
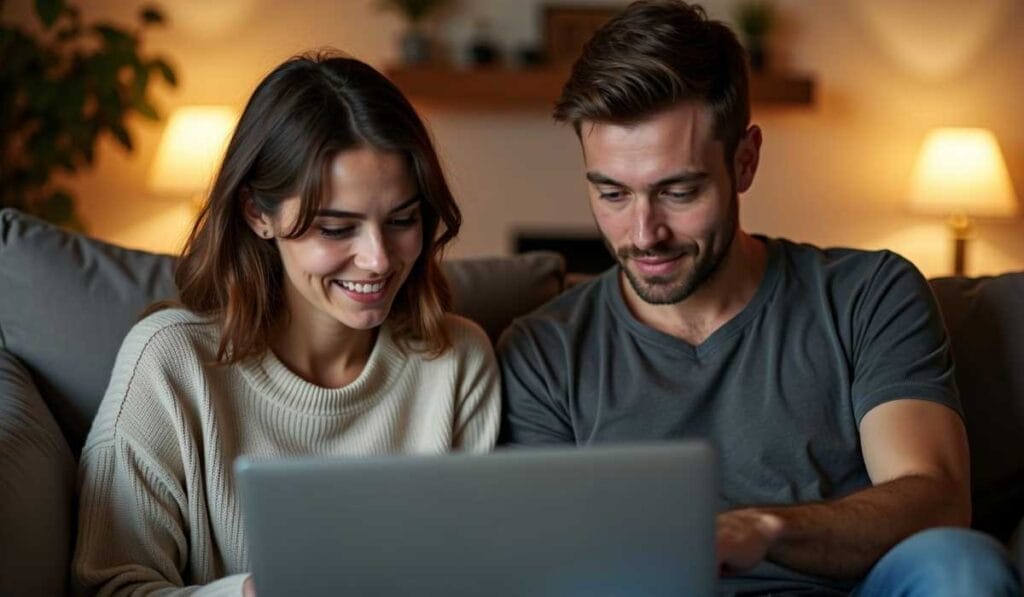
x,y
67,302
37,475
985,318
492,291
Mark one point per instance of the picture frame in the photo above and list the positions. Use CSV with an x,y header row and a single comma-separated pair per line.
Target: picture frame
x,y
568,27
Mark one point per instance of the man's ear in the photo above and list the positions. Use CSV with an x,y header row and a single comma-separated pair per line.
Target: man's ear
x,y
748,152
258,221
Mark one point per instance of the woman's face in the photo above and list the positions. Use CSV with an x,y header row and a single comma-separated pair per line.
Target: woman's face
x,y
350,264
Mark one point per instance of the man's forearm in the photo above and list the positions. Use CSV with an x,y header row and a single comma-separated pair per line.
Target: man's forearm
x,y
845,537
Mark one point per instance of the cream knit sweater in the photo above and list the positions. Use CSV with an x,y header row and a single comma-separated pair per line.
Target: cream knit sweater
x,y
158,505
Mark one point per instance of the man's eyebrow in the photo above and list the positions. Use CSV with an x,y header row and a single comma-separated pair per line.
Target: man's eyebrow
x,y
338,213
681,178
598,178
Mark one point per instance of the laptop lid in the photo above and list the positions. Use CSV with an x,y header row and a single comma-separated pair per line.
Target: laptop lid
x,y
612,520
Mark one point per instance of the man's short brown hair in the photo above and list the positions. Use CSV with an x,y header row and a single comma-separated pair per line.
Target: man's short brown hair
x,y
654,54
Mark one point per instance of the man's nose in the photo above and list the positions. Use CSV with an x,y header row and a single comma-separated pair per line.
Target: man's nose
x,y
648,226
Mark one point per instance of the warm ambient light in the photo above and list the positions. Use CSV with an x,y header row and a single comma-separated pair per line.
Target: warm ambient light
x,y
191,149
960,173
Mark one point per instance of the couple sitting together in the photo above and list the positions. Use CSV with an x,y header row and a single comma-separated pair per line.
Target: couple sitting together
x,y
313,319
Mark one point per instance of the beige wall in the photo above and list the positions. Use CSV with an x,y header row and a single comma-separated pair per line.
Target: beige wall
x,y
832,174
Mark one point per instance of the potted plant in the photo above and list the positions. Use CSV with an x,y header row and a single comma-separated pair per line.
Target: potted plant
x,y
415,43
62,87
756,19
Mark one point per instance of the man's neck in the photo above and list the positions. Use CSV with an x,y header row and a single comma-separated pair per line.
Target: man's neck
x,y
715,302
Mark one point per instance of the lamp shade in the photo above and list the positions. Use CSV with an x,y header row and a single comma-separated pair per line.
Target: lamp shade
x,y
961,171
191,149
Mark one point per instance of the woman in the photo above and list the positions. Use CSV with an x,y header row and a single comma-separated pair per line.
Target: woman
x,y
311,321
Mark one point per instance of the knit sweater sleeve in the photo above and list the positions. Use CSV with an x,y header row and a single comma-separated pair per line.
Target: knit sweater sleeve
x,y
477,389
133,505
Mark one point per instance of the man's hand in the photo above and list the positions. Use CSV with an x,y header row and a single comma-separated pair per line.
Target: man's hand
x,y
743,537
248,587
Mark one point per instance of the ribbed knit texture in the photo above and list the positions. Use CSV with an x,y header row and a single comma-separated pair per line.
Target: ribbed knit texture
x,y
158,505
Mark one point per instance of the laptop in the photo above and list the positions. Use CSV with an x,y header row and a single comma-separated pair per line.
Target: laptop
x,y
633,520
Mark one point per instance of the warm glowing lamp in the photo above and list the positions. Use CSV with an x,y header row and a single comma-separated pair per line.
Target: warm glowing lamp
x,y
960,173
191,149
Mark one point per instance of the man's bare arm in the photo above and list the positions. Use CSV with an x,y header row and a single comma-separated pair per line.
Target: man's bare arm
x,y
916,455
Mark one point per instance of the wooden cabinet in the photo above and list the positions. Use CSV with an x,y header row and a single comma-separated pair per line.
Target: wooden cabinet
x,y
503,88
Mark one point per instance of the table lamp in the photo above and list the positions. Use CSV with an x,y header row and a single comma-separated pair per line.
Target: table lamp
x,y
190,151
960,173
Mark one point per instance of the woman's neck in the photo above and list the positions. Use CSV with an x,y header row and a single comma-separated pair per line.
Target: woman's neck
x,y
324,353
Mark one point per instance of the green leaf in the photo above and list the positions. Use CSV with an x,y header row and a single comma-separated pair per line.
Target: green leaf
x,y
145,109
165,71
114,36
140,81
69,32
121,134
151,15
49,10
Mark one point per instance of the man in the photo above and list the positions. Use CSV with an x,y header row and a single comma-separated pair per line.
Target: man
x,y
822,376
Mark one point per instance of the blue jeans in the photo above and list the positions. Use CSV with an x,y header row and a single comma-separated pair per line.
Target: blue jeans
x,y
943,561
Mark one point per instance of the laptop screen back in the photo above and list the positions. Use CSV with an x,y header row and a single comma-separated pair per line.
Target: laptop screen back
x,y
616,520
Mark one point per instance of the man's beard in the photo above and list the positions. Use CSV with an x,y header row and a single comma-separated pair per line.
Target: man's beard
x,y
669,290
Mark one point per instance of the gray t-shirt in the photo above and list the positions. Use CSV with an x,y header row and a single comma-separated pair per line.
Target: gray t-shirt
x,y
779,389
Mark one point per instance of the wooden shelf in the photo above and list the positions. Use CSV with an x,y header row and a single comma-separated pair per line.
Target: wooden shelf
x,y
504,88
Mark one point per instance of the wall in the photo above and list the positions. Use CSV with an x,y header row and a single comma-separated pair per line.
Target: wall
x,y
832,174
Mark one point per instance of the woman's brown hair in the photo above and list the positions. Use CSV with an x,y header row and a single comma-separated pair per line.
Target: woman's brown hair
x,y
300,116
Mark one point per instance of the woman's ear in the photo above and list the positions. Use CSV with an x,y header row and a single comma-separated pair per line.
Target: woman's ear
x,y
259,221
748,153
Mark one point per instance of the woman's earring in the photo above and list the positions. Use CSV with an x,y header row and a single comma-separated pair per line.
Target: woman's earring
x,y
266,234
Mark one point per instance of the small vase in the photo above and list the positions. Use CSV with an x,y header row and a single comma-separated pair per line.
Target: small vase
x,y
415,47
758,55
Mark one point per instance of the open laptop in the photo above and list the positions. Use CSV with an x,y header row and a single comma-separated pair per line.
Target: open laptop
x,y
626,520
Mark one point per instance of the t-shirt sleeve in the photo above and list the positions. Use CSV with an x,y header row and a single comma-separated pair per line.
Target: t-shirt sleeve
x,y
534,408
901,348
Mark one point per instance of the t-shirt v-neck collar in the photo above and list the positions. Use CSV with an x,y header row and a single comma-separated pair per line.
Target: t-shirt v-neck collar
x,y
721,336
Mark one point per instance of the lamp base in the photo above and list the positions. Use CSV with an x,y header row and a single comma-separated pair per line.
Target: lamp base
x,y
960,226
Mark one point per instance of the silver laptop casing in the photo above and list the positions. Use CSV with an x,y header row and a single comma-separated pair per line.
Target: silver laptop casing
x,y
632,520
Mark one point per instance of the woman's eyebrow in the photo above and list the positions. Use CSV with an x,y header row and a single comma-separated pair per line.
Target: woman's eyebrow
x,y
338,213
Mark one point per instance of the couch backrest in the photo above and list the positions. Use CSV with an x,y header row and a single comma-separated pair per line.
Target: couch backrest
x,y
985,319
67,301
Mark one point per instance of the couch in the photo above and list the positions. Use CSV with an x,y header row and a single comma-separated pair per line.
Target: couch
x,y
66,301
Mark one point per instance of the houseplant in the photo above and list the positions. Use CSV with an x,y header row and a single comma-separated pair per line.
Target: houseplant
x,y
415,41
63,86
756,19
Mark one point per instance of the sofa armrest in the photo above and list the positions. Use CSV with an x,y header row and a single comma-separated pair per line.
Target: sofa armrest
x,y
37,476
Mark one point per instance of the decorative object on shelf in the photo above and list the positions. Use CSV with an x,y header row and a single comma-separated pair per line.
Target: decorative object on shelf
x,y
63,85
960,173
191,148
529,56
567,29
482,50
415,43
756,19
537,88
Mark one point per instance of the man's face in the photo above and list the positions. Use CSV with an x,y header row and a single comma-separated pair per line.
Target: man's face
x,y
664,198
